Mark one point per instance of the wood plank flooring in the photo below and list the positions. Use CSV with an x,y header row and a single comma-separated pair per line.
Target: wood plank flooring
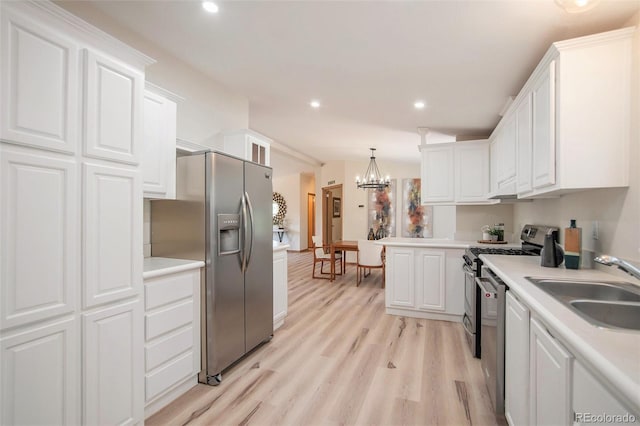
x,y
340,360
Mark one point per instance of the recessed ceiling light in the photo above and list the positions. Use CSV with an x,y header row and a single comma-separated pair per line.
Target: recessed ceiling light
x,y
577,6
418,104
210,6
315,104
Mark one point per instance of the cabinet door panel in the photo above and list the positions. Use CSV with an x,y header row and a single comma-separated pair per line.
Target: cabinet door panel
x,y
516,361
430,275
39,85
437,175
550,379
159,146
544,140
114,97
472,173
279,286
507,157
112,234
38,249
400,278
113,370
524,152
40,370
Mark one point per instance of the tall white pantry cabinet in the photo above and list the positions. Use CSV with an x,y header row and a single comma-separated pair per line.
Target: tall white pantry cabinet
x,y
71,308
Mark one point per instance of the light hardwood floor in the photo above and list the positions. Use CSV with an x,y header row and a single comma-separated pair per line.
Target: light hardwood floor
x,y
340,360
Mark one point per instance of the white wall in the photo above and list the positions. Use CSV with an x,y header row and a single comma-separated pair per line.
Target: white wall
x,y
469,220
289,188
617,211
307,186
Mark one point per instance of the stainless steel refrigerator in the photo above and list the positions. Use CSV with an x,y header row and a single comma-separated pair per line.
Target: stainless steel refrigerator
x,y
223,215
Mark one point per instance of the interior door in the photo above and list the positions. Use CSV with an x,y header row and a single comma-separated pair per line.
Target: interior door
x,y
311,219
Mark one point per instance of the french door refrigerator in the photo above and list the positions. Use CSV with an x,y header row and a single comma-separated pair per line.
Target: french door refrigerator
x,y
223,215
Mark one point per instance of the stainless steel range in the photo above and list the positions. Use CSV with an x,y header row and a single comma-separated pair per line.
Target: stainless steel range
x,y
489,303
532,239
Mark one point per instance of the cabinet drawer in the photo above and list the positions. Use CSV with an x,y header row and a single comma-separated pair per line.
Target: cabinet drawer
x,y
163,290
171,374
168,348
168,319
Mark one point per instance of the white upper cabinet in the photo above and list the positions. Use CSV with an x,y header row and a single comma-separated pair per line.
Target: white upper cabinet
x,y
572,118
544,142
159,146
472,172
39,85
455,173
523,144
113,101
39,251
249,145
507,157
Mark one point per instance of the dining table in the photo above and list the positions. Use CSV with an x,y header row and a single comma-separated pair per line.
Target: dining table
x,y
340,246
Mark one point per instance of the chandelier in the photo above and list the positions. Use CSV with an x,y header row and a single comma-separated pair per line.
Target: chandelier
x,y
372,178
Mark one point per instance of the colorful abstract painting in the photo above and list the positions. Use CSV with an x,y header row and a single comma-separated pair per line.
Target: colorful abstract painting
x,y
381,214
416,219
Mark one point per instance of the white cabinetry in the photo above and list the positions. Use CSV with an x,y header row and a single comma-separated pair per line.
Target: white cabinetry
x,y
591,399
506,157
455,173
550,378
113,360
579,102
70,220
40,375
424,282
159,143
248,145
172,336
280,296
39,88
524,144
516,361
113,109
39,214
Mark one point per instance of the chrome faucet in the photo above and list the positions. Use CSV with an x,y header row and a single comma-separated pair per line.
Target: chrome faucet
x,y
621,264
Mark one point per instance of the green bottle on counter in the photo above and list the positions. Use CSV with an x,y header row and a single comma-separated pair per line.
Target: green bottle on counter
x,y
572,246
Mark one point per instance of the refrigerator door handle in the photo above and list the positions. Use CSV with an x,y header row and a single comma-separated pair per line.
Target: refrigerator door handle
x,y
243,208
246,195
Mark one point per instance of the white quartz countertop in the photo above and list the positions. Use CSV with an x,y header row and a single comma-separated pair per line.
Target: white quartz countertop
x,y
277,246
442,243
158,266
613,355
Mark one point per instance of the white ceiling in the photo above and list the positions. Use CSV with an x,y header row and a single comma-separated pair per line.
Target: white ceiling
x,y
367,62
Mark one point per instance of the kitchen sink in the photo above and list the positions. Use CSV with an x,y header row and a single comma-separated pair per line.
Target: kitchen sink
x,y
594,290
602,303
609,314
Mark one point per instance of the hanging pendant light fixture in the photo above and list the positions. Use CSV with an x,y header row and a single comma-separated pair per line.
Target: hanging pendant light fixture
x,y
372,178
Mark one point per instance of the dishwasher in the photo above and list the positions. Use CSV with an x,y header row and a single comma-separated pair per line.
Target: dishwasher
x,y
492,329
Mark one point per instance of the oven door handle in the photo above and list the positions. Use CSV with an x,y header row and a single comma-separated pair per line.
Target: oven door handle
x,y
466,323
490,294
467,270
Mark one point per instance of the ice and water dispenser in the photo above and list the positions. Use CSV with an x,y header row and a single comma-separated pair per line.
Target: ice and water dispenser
x,y
228,234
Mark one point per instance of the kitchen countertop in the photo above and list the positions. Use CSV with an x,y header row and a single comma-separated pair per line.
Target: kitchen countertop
x,y
442,243
277,246
158,266
612,355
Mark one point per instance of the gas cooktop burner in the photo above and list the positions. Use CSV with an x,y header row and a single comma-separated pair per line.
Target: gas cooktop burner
x,y
477,251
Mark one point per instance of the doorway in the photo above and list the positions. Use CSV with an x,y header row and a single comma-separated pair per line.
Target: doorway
x,y
311,218
331,214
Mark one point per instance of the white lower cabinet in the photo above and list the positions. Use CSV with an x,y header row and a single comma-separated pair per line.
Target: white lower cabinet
x,y
516,361
40,372
593,403
550,376
113,361
426,283
172,337
280,297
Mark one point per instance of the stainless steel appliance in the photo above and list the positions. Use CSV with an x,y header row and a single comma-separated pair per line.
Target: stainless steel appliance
x,y
223,215
532,239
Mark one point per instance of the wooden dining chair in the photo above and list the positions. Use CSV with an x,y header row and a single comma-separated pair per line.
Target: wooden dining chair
x,y
369,257
321,254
